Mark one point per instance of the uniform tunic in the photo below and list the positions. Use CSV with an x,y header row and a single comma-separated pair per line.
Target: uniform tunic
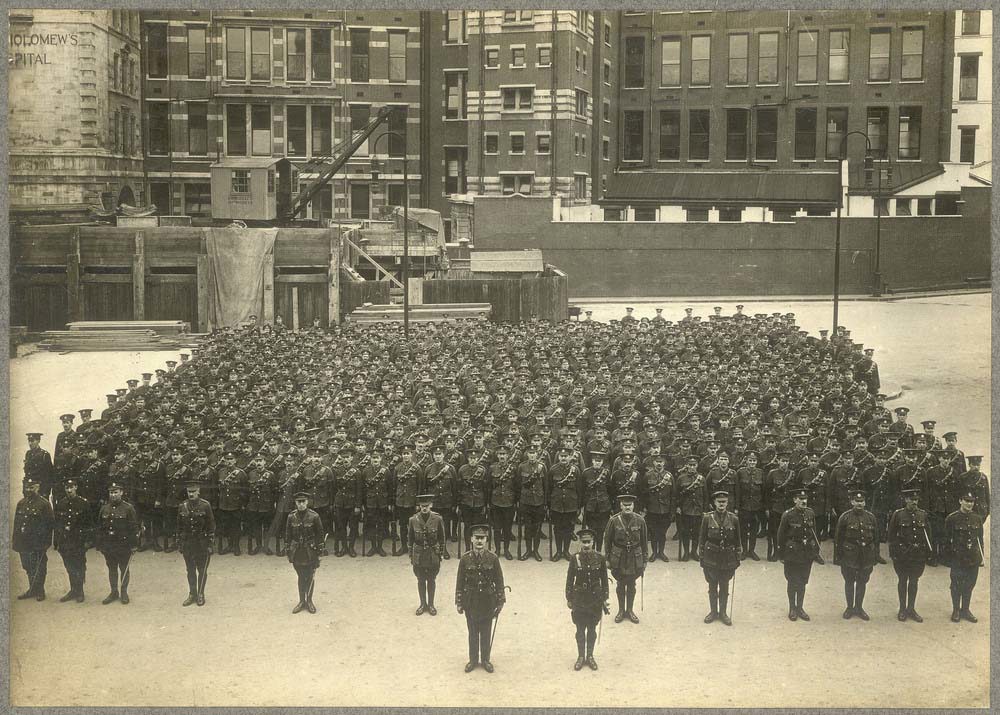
x,y
304,538
855,541
587,586
797,543
625,540
721,545
33,525
426,538
907,537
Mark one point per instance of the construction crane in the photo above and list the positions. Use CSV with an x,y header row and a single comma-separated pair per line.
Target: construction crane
x,y
327,166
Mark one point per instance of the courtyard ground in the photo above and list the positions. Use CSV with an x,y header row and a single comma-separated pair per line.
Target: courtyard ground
x,y
365,646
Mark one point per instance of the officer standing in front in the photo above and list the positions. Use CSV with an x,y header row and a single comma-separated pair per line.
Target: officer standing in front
x,y
72,531
964,530
587,596
426,537
722,551
625,540
304,538
798,547
117,539
195,537
33,522
855,550
480,595
909,548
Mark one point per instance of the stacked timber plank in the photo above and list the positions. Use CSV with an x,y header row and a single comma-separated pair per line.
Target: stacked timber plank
x,y
160,327
426,313
128,335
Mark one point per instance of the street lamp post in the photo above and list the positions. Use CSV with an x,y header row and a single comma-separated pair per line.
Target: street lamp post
x,y
406,224
840,203
877,288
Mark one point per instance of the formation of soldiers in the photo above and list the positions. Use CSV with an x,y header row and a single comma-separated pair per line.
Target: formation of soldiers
x,y
531,430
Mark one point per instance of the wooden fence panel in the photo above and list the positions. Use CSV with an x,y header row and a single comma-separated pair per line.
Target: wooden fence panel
x,y
353,295
107,301
170,297
512,300
39,306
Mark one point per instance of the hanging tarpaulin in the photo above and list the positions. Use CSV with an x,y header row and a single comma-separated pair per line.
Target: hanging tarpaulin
x,y
237,257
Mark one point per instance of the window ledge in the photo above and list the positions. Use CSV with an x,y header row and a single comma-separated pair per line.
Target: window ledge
x,y
735,161
772,84
670,86
668,161
491,67
737,85
911,81
878,81
456,119
908,161
838,84
543,66
765,161
807,84
637,88
700,86
455,44
486,153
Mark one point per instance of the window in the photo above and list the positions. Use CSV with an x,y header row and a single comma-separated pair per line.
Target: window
x,y
130,137
491,144
605,149
738,57
970,22
198,199
455,107
838,61
766,139
580,184
880,41
260,53
359,55
397,56
543,143
456,27
878,125
583,145
913,54
607,35
515,184
767,58
544,55
582,24
454,178
670,65
322,131
159,128
295,130
779,215
635,63
645,213
241,181
614,214
156,50
701,58
159,196
360,200
270,181
909,132
583,64
295,59
730,215
925,207
581,103
881,207
360,114
968,81
197,116
577,59
517,57
670,135
196,52
805,134
397,125
698,134
517,98
836,130
967,144
903,207
493,57
114,72
517,143
236,129
696,214
396,194
576,145
633,136
737,121
321,56
607,110
517,15
114,132
807,57
236,53
260,129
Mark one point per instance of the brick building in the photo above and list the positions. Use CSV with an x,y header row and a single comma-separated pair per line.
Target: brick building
x,y
972,115
74,113
262,83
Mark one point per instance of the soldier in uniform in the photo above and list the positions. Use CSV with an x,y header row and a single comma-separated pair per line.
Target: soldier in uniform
x,y
940,495
625,543
855,550
587,596
798,547
721,553
503,498
426,537
439,478
749,504
33,524
975,481
406,476
596,500
304,539
480,595
73,530
565,501
232,500
38,464
473,488
690,507
195,537
348,498
261,487
964,529
777,485
377,500
532,488
117,539
659,488
909,548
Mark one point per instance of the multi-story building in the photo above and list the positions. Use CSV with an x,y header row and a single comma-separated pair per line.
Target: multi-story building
x,y
724,110
520,101
74,114
972,113
220,85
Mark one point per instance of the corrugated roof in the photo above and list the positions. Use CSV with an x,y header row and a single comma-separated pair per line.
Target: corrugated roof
x,y
904,175
742,188
243,162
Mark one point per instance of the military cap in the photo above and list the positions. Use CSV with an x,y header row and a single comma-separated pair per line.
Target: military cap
x,y
121,391
929,424
950,435
425,498
585,532
147,376
967,496
115,485
974,460
626,497
802,493
86,412
720,494
902,410
34,435
480,530
171,363
857,494
132,382
302,495
112,398
68,417
194,484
